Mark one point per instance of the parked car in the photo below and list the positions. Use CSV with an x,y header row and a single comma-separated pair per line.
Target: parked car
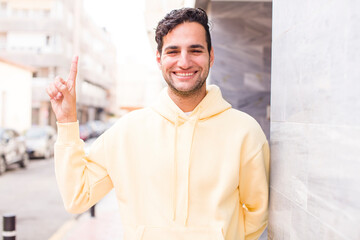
x,y
97,128
12,149
40,141
85,131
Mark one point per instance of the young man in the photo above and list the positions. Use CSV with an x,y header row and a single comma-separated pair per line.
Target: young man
x,y
190,167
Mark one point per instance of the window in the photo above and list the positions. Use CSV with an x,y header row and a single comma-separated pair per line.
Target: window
x,y
2,40
35,119
47,40
3,8
46,13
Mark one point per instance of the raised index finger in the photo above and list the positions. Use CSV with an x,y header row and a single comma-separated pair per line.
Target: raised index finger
x,y
73,72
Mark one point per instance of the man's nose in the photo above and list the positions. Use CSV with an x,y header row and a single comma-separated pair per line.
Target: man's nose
x,y
184,60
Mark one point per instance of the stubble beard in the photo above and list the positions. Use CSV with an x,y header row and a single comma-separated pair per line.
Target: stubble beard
x,y
191,92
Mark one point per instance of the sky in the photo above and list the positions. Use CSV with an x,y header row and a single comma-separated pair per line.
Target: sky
x,y
139,79
125,22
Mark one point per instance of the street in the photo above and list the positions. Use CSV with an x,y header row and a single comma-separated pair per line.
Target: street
x,y
32,195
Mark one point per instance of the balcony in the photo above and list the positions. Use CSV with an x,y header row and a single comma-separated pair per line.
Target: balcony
x,y
85,98
49,25
37,60
103,80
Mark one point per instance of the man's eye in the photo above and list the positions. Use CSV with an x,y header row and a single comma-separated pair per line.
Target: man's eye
x,y
172,52
196,51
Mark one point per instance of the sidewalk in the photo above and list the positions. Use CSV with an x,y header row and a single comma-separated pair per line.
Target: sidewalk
x,y
106,225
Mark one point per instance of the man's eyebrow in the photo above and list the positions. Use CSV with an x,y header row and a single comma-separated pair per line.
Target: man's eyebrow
x,y
172,47
197,46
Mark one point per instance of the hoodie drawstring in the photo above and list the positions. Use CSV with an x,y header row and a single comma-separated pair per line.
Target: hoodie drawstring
x,y
175,166
175,180
188,167
211,105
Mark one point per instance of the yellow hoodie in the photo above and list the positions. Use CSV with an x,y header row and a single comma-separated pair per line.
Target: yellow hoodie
x,y
197,177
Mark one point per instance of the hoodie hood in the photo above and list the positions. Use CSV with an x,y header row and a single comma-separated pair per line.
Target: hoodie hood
x,y
211,105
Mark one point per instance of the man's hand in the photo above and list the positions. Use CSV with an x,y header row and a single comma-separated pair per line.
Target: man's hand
x,y
63,95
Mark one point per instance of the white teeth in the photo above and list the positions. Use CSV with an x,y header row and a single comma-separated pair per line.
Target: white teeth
x,y
184,74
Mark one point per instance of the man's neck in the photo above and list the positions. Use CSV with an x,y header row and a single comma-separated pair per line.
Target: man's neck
x,y
187,103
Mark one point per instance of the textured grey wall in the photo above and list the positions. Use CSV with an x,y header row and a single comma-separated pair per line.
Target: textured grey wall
x,y
241,35
315,120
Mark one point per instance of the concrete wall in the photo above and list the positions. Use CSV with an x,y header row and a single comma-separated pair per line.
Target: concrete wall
x,y
241,38
315,120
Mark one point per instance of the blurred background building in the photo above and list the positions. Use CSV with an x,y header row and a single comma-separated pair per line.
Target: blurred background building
x,y
15,95
45,34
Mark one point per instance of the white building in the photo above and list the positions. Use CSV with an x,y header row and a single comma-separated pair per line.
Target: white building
x,y
15,95
45,34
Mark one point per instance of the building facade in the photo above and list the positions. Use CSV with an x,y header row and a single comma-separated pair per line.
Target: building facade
x,y
46,34
15,95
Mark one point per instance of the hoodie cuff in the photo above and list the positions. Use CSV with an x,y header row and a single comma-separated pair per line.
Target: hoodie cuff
x,y
68,132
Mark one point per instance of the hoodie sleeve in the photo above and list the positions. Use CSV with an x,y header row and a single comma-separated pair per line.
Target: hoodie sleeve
x,y
82,180
254,191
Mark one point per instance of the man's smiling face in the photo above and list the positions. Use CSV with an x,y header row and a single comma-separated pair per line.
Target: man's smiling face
x,y
185,60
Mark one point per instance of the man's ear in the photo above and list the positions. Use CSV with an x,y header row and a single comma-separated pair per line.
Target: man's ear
x,y
158,58
211,56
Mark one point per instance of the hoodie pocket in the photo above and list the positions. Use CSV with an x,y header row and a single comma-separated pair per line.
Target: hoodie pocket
x,y
178,233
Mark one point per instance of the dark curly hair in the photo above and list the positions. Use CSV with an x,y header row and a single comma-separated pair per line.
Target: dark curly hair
x,y
178,16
